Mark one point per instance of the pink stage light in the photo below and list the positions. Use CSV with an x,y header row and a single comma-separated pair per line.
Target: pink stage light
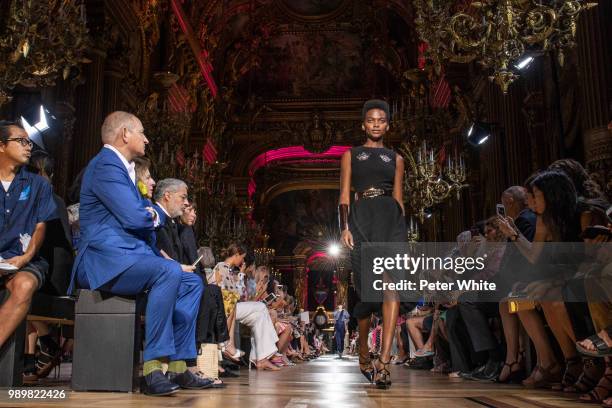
x,y
293,154
316,255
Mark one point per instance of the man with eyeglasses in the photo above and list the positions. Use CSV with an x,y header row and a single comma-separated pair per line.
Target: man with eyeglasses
x,y
26,204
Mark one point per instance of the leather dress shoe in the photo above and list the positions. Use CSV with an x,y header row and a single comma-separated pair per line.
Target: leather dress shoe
x,y
156,384
231,366
228,374
490,372
469,375
189,380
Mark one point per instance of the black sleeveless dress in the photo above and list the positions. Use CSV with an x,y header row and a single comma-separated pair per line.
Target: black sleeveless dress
x,y
377,219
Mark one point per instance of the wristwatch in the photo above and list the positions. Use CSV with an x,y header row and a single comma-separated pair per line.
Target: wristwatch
x,y
515,237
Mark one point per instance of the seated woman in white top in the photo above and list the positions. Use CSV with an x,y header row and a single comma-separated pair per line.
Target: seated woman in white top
x,y
255,315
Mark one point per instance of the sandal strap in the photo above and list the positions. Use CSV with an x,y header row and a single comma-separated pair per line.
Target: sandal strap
x,y
587,381
569,377
598,342
512,364
605,383
363,360
384,369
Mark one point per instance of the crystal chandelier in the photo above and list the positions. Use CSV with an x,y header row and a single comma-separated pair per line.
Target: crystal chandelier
x,y
497,33
427,181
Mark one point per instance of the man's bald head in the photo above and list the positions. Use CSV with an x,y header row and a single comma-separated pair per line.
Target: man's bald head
x,y
514,200
124,132
518,194
115,123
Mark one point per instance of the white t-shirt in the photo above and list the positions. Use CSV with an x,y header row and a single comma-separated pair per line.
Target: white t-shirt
x,y
6,184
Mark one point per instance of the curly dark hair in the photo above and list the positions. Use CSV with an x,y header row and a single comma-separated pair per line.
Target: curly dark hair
x,y
585,186
560,215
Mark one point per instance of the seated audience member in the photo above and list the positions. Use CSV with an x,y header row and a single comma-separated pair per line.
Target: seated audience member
x,y
557,221
597,385
172,240
462,354
476,313
58,252
515,200
114,256
144,180
26,205
252,314
402,339
171,199
416,326
282,323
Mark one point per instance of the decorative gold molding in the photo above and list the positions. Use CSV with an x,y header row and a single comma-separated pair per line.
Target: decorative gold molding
x,y
277,189
284,8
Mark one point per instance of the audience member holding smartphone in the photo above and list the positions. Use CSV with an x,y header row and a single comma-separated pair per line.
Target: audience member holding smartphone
x,y
255,315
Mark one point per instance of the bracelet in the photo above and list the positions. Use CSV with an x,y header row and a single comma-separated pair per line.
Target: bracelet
x,y
343,213
515,237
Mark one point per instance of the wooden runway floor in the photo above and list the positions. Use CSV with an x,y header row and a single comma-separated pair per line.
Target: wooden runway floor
x,y
325,382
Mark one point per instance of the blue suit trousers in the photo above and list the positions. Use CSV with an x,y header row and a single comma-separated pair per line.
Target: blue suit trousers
x,y
172,304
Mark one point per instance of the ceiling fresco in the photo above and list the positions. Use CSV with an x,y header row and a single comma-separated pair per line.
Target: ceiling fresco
x,y
310,65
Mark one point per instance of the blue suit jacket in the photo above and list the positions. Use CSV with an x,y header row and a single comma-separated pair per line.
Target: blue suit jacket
x,y
116,228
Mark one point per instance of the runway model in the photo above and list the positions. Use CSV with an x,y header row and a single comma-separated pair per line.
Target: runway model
x,y
377,215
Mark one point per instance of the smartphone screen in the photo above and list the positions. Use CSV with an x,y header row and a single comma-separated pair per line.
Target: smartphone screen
x,y
500,209
270,298
197,260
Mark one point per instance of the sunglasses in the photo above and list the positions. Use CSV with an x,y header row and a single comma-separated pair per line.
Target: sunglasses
x,y
24,141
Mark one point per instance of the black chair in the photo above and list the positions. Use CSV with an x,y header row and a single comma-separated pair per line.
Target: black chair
x,y
107,340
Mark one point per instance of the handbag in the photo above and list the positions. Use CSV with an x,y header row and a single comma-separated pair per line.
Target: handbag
x,y
208,360
520,305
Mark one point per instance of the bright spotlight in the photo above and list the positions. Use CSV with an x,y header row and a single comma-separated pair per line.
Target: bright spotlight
x,y
483,140
524,62
478,133
334,249
37,127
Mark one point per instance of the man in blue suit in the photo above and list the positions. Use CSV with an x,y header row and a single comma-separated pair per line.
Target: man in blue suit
x,y
115,256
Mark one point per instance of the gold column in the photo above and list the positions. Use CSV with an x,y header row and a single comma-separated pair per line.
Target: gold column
x,y
300,283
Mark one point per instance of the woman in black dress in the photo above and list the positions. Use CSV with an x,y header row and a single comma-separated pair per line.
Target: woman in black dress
x,y
377,215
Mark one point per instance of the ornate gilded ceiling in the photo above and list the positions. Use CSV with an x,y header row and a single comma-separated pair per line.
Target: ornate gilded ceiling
x,y
295,73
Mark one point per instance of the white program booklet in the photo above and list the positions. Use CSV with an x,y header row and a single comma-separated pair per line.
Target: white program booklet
x,y
305,317
6,267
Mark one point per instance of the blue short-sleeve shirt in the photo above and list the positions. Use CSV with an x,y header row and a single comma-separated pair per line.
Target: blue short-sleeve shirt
x,y
28,201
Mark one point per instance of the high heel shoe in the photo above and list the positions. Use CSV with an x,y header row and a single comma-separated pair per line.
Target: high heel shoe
x,y
513,377
368,372
233,357
602,390
573,370
548,376
382,377
592,371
